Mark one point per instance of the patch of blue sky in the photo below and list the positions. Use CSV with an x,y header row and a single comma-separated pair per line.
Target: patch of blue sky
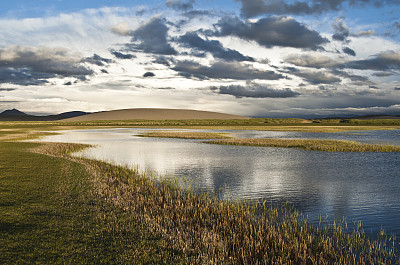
x,y
40,8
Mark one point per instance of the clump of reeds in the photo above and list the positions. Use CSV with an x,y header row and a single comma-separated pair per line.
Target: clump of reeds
x,y
209,230
185,135
314,145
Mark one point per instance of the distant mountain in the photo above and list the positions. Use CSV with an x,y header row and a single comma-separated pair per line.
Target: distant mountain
x,y
16,115
13,112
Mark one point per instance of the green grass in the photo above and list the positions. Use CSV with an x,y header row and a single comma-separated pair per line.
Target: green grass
x,y
310,145
49,214
185,135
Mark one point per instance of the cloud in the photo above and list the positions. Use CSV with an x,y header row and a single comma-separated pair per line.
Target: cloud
x,y
312,59
383,62
148,74
315,77
364,33
271,31
223,70
389,60
7,89
356,79
123,56
34,65
97,60
253,8
383,74
341,30
180,4
122,29
162,60
193,41
254,90
349,51
152,37
394,30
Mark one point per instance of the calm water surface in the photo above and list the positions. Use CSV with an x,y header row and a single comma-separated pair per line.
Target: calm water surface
x,y
357,186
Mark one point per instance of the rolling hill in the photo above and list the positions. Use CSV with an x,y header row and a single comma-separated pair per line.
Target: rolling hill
x,y
155,114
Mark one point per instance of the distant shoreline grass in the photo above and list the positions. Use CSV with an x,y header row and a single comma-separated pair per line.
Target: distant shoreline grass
x,y
298,125
94,212
185,135
310,145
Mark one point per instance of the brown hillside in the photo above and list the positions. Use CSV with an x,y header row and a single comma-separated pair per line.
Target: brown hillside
x,y
156,114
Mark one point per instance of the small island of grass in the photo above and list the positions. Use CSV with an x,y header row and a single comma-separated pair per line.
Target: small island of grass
x,y
311,145
186,135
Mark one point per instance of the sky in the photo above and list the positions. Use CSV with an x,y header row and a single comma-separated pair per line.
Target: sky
x,y
258,58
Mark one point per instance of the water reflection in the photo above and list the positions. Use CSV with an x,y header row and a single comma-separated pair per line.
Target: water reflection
x,y
357,186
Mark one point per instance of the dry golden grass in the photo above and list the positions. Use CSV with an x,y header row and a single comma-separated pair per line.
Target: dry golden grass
x,y
311,145
185,135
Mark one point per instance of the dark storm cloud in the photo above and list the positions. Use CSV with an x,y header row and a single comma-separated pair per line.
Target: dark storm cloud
x,y
223,70
97,60
123,56
254,90
341,30
349,51
180,4
253,8
389,60
193,41
34,65
152,37
271,31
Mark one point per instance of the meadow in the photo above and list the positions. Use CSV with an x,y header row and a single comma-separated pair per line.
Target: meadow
x,y
56,208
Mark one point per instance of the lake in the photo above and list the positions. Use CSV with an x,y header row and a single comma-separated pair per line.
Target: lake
x,y
362,187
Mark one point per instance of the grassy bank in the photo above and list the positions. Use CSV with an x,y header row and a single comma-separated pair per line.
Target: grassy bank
x,y
185,135
59,209
311,145
50,214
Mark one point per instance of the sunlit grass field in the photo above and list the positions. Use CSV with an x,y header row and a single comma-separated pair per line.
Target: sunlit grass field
x,y
55,208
